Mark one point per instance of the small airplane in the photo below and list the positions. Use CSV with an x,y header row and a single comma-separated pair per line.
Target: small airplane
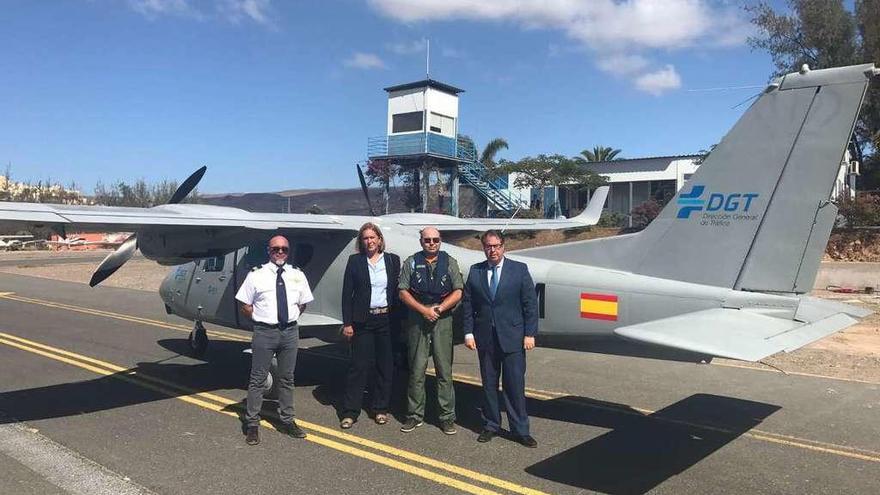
x,y
722,271
14,242
72,241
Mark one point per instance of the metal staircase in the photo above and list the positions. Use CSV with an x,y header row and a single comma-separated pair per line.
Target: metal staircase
x,y
474,173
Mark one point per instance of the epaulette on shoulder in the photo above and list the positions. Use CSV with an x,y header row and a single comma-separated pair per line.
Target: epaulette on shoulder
x,y
255,268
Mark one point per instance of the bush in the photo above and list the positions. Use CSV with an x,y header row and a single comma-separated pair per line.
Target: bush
x,y
644,213
612,219
863,211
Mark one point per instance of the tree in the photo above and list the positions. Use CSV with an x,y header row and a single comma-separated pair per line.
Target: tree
x,y
487,157
139,194
600,154
552,170
823,34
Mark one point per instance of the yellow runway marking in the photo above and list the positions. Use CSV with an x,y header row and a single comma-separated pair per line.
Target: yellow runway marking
x,y
791,441
222,405
796,373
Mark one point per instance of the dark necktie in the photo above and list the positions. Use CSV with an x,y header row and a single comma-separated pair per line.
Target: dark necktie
x,y
493,284
281,298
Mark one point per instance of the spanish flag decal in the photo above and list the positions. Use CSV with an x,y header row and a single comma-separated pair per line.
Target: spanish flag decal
x,y
598,306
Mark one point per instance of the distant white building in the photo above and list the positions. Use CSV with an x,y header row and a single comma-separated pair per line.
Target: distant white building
x,y
634,181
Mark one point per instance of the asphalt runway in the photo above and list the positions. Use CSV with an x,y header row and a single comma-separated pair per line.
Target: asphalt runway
x,y
95,389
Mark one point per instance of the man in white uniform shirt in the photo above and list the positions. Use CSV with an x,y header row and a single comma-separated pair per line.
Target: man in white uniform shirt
x,y
273,296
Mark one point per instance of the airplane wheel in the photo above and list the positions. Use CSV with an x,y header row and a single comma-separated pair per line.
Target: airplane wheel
x,y
198,340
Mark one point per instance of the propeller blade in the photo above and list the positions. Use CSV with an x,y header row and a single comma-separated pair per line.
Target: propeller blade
x,y
188,185
365,190
114,260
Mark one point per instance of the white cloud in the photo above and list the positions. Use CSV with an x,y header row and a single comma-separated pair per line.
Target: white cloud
x,y
156,8
237,10
660,81
234,11
622,64
597,23
362,60
626,28
407,48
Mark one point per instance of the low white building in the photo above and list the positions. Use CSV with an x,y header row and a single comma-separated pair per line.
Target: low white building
x,y
634,181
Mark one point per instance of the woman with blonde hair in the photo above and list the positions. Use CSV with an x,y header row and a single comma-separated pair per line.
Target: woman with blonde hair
x,y
369,296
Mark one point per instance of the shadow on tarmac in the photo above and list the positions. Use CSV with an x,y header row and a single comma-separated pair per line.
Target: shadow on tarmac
x,y
643,450
638,453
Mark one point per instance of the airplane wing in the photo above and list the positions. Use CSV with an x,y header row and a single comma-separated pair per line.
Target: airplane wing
x,y
743,334
590,216
104,218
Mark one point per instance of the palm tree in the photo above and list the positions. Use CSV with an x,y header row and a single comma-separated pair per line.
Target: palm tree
x,y
600,154
487,158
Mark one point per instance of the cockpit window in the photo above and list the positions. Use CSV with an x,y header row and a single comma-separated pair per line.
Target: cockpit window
x,y
214,264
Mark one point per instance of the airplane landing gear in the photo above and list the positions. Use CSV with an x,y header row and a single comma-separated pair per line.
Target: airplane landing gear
x,y
198,340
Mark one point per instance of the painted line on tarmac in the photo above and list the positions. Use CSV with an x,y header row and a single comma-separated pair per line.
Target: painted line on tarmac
x,y
223,405
61,466
781,439
796,373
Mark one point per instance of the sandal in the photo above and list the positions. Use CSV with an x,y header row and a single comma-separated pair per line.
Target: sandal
x,y
346,423
381,419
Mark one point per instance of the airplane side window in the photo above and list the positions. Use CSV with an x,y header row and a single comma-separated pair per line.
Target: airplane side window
x,y
214,264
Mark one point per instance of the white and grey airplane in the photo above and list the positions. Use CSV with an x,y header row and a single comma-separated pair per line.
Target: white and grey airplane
x,y
722,271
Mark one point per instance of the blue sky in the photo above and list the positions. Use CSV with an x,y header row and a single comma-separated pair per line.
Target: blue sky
x,y
278,95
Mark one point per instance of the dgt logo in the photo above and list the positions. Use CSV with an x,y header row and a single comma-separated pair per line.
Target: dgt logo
x,y
692,201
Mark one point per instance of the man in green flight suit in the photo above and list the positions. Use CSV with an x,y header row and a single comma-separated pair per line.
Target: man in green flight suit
x,y
430,285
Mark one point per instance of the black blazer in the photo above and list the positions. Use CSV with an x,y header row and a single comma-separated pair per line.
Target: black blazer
x,y
356,288
514,311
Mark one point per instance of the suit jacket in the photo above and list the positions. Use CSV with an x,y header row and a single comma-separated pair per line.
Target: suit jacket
x,y
513,312
356,289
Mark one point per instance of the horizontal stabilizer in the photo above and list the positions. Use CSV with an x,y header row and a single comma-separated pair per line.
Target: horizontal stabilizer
x,y
734,333
590,216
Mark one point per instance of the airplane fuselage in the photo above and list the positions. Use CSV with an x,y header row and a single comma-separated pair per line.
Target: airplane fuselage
x,y
579,306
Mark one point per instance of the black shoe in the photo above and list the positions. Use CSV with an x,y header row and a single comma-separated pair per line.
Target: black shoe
x,y
252,435
410,424
527,441
292,430
486,435
448,427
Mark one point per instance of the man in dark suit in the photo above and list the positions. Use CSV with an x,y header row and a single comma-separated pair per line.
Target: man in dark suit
x,y
500,323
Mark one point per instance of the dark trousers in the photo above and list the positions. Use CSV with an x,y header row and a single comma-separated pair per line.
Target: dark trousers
x,y
370,358
511,368
268,342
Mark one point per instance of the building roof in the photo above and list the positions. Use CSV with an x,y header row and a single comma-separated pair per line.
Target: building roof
x,y
668,157
431,83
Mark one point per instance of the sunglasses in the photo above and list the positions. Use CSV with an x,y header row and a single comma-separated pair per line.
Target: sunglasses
x,y
431,240
279,249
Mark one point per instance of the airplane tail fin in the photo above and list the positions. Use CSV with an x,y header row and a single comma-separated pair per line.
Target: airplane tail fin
x,y
757,213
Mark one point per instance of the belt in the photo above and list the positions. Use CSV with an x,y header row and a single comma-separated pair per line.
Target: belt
x,y
379,311
275,326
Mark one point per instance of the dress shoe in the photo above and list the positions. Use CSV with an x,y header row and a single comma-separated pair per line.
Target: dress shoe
x,y
291,429
527,441
486,435
252,435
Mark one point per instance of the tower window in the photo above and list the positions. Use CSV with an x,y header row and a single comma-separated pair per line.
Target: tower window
x,y
407,122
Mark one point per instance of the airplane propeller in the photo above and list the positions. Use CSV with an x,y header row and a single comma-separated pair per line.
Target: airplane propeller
x,y
123,253
365,190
